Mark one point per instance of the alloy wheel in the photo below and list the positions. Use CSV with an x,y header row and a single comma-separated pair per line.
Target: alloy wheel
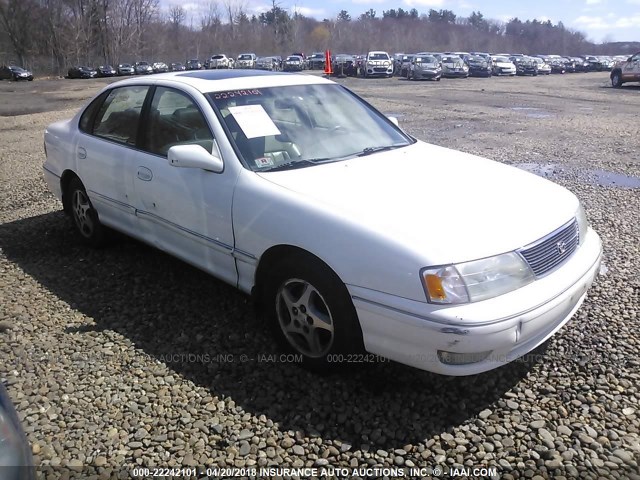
x,y
304,318
81,213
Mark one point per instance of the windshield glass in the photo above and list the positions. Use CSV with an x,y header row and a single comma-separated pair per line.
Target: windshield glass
x,y
299,125
293,59
426,59
16,69
244,57
378,56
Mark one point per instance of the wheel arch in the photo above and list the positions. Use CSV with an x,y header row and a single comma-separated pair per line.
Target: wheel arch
x,y
65,180
270,259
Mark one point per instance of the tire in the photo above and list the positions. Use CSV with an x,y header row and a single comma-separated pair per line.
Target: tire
x,y
311,313
83,216
616,79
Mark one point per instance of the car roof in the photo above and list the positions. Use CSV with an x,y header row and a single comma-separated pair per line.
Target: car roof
x,y
225,80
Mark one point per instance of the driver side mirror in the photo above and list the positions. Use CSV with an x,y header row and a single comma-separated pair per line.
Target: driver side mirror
x,y
194,156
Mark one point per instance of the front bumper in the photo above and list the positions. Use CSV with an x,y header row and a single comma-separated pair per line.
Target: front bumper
x,y
507,326
455,74
481,72
427,74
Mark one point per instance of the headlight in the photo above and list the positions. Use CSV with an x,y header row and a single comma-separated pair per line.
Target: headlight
x,y
476,280
386,64
583,224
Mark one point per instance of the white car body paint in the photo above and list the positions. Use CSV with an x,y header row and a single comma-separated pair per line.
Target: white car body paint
x,y
375,220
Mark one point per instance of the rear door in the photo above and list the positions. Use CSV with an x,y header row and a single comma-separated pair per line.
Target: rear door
x,y
105,148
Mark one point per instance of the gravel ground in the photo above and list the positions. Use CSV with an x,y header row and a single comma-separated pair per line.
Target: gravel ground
x,y
125,356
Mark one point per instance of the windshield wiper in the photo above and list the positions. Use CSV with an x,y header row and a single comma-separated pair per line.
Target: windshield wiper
x,y
370,150
290,165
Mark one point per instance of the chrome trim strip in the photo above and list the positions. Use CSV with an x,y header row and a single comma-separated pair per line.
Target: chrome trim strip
x,y
111,200
235,252
245,254
143,213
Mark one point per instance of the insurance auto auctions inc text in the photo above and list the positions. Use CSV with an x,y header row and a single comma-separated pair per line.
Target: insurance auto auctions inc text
x,y
345,472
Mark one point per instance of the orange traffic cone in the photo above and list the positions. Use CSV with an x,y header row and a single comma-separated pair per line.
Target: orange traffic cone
x,y
327,63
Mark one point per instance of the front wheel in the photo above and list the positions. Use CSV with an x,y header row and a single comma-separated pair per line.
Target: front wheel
x,y
311,312
616,80
84,216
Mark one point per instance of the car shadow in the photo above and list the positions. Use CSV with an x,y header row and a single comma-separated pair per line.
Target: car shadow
x,y
207,332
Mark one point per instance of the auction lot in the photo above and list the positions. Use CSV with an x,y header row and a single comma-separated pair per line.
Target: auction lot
x,y
125,356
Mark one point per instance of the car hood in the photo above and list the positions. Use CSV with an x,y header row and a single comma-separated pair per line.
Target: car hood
x,y
446,205
504,64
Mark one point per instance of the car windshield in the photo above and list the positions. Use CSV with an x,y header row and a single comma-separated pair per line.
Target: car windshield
x,y
302,125
501,59
426,59
17,69
217,57
378,56
293,59
244,57
455,59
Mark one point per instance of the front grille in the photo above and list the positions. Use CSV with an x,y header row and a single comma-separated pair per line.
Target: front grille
x,y
549,252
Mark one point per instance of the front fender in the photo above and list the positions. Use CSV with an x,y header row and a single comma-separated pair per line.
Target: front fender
x,y
266,215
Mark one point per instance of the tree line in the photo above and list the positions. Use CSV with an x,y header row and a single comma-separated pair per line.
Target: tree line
x,y
51,35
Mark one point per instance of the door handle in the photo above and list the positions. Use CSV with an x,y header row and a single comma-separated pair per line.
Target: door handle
x,y
145,174
82,153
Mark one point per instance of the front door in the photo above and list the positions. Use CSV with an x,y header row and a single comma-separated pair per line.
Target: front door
x,y
184,211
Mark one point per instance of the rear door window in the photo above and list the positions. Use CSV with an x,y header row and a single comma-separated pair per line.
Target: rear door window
x,y
119,116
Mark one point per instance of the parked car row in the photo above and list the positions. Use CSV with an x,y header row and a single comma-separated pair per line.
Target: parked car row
x,y
421,65
435,65
125,69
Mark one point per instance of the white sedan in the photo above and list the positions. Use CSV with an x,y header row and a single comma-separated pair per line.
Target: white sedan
x,y
351,235
503,66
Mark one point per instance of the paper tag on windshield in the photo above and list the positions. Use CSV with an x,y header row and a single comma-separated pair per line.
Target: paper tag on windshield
x,y
254,121
263,162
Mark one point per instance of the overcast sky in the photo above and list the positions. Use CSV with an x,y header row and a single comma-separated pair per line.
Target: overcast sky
x,y
600,20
